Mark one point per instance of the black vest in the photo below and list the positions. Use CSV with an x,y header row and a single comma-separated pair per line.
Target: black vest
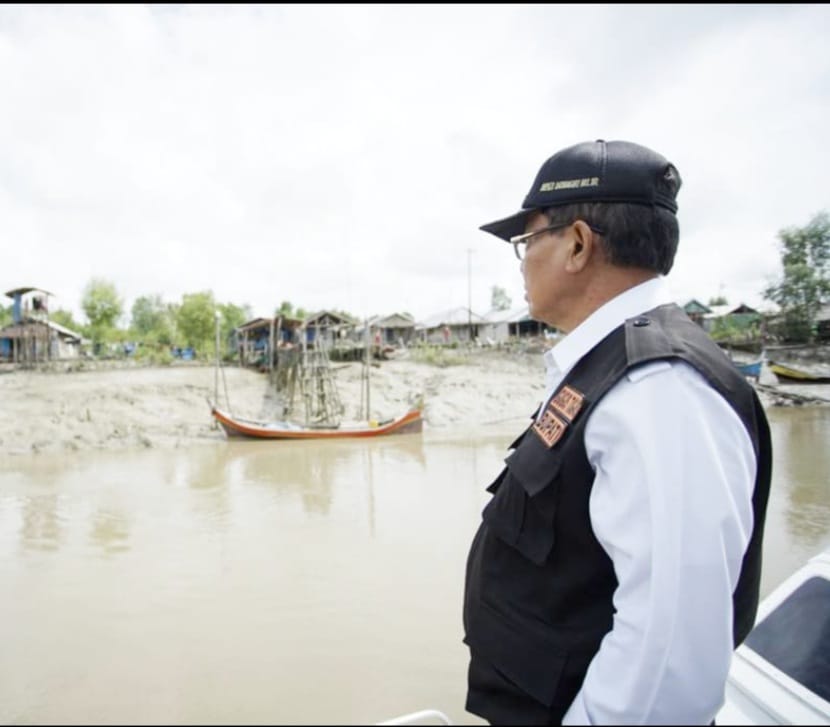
x,y
539,586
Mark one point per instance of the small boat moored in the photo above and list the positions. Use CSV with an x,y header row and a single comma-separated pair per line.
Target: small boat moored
x,y
410,422
750,369
794,375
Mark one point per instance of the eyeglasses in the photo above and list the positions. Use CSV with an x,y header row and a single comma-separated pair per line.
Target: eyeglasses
x,y
522,239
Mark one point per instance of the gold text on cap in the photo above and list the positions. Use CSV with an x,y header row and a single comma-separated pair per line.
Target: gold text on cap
x,y
569,184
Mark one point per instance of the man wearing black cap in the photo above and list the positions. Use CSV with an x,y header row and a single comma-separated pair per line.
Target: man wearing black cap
x,y
618,562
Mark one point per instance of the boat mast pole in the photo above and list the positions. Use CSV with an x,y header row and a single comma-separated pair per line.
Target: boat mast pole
x,y
367,358
216,373
217,317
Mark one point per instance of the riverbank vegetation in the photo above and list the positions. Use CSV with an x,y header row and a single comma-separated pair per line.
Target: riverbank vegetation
x,y
155,328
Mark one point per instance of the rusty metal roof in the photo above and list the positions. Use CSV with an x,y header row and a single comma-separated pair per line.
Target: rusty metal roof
x,y
23,291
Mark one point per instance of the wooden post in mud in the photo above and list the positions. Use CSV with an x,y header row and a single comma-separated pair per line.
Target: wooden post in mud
x,y
271,349
364,389
216,374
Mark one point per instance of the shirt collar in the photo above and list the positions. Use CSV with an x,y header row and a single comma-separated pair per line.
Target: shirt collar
x,y
639,299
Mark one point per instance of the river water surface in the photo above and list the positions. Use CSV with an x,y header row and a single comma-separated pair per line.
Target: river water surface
x,y
277,582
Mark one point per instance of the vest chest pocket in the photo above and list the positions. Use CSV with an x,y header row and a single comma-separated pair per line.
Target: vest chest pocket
x,y
522,510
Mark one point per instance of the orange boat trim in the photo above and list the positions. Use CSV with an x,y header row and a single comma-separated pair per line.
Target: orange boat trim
x,y
410,422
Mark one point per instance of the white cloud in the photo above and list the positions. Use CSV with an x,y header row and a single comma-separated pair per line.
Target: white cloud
x,y
344,156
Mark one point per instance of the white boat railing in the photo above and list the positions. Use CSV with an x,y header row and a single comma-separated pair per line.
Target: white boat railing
x,y
416,717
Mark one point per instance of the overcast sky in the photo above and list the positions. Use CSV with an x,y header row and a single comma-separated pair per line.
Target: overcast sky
x,y
344,156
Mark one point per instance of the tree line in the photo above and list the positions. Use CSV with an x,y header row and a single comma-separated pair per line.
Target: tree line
x,y
802,288
804,284
155,325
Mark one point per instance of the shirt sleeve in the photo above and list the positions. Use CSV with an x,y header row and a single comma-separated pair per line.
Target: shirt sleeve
x,y
672,507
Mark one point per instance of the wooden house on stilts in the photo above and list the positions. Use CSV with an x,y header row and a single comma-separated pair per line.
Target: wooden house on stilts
x,y
31,337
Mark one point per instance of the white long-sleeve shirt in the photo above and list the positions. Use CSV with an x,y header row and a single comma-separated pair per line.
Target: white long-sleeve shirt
x,y
672,507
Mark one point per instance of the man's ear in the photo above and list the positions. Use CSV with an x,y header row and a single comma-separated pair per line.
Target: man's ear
x,y
583,247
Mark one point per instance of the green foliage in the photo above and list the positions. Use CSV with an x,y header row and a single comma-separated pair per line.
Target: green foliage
x,y
718,300
152,320
64,318
196,320
793,327
805,283
6,315
231,316
499,300
153,355
173,313
735,330
345,314
101,303
103,307
286,310
440,356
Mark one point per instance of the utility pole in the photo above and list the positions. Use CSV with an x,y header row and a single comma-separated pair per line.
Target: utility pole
x,y
469,296
218,318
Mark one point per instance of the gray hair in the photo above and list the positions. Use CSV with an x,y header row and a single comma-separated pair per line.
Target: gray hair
x,y
633,235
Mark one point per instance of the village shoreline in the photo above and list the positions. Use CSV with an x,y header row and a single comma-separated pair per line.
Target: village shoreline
x,y
72,407
77,406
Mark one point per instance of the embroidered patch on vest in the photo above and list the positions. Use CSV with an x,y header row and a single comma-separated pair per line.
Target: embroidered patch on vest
x,y
567,402
558,414
550,427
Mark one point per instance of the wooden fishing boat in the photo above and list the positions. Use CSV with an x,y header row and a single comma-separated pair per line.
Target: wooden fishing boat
x,y
411,421
797,375
321,400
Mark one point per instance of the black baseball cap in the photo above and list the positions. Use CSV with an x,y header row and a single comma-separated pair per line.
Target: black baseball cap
x,y
595,171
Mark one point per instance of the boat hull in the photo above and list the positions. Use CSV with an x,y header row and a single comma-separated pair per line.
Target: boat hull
x,y
750,369
796,375
411,422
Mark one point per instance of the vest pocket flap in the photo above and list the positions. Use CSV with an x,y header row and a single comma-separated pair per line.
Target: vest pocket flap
x,y
518,440
534,465
533,662
505,513
523,508
494,485
522,522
